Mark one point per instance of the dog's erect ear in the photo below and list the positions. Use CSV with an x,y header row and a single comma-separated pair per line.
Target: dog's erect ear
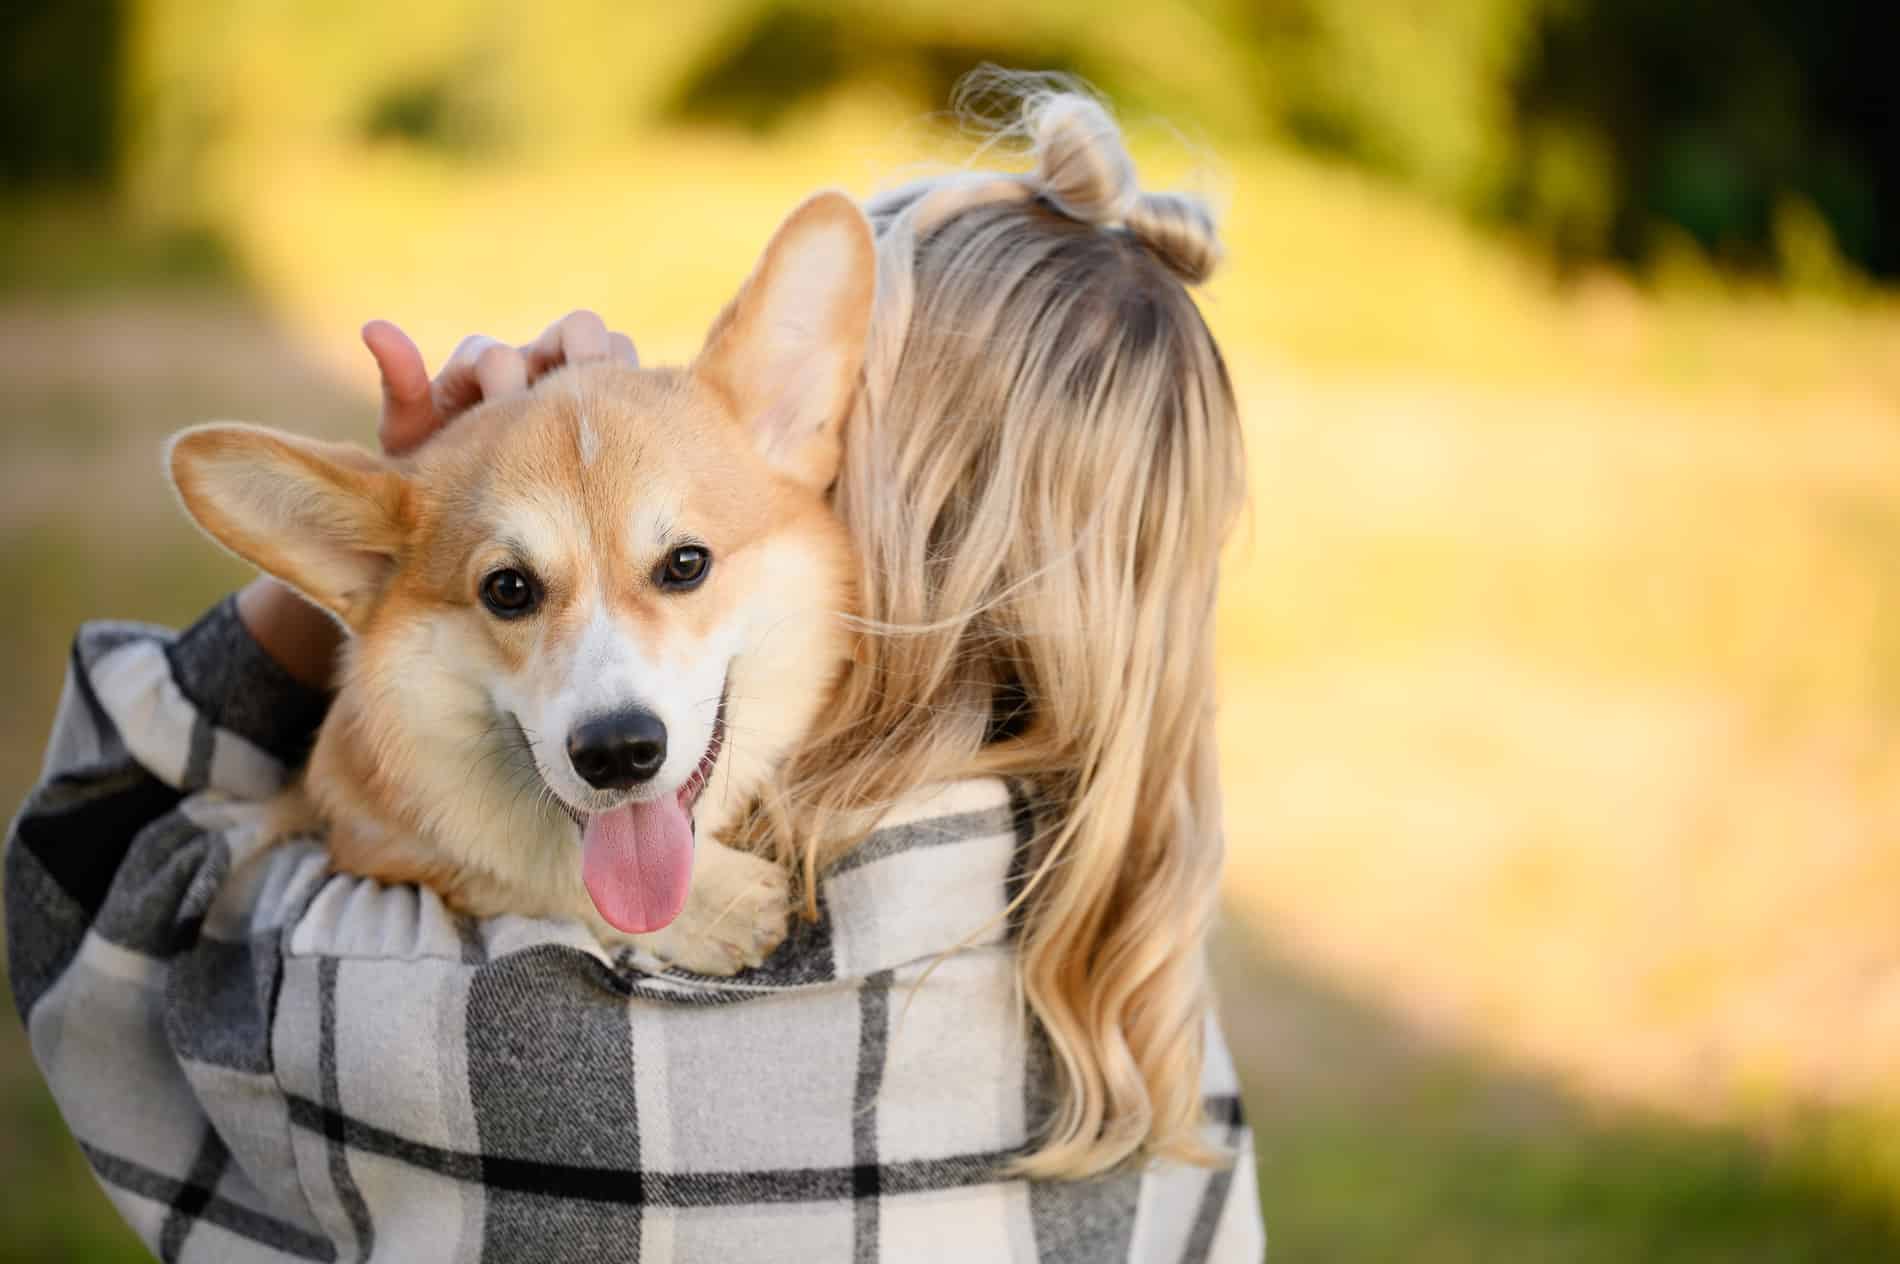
x,y
326,518
788,350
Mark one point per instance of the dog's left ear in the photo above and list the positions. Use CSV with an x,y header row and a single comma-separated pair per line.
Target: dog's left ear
x,y
788,350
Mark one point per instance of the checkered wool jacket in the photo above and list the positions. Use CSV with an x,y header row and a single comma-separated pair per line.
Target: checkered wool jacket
x,y
266,1061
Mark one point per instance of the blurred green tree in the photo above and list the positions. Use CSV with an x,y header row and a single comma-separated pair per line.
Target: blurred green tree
x,y
1766,131
1712,116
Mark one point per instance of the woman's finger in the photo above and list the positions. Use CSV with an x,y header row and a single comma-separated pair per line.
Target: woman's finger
x,y
409,414
461,385
501,370
620,347
579,335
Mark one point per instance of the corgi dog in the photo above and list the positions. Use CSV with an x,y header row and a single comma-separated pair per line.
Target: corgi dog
x,y
586,622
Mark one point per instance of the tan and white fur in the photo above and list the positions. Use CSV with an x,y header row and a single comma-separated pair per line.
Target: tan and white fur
x,y
445,759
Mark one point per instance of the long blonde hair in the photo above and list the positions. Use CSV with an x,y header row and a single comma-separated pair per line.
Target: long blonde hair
x,y
1039,474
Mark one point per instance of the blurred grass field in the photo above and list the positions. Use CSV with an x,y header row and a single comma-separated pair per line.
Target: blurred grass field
x,y
1561,653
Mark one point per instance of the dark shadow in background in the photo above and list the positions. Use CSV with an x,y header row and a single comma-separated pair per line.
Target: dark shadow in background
x,y
1623,116
1380,1142
1712,110
63,139
59,94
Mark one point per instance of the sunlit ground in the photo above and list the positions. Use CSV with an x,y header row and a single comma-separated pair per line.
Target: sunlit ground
x,y
1561,650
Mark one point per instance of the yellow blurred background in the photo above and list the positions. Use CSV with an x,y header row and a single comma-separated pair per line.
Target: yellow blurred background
x,y
1561,648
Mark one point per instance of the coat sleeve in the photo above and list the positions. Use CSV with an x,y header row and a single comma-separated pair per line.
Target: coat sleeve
x,y
146,718
113,866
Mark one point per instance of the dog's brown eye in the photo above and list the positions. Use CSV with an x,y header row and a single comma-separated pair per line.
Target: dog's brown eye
x,y
508,593
685,567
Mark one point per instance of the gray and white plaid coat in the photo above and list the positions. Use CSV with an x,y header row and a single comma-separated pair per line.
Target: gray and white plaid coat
x,y
266,1061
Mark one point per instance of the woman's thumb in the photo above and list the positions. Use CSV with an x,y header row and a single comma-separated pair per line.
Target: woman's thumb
x,y
408,408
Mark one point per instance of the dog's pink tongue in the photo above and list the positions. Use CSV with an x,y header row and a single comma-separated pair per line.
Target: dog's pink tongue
x,y
637,861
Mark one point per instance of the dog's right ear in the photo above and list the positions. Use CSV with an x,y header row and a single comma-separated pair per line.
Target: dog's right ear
x,y
326,518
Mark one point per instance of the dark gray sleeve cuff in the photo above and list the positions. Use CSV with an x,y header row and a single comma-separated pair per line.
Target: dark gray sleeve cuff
x,y
234,683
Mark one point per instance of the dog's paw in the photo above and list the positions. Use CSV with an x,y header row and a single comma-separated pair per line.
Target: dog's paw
x,y
735,916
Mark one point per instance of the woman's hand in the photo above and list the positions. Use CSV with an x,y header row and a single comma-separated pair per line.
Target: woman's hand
x,y
302,639
481,368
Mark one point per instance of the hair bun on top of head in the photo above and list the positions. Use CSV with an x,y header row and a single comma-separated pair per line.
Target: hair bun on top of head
x,y
1084,171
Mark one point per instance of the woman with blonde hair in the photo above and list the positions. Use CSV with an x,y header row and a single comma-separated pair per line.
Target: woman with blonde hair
x,y
993,1036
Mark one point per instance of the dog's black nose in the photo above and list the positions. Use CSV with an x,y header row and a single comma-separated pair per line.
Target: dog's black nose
x,y
618,751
